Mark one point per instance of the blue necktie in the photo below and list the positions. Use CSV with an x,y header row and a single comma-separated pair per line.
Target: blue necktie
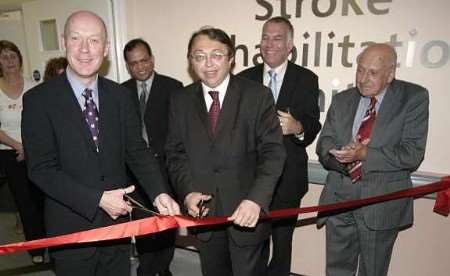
x,y
273,83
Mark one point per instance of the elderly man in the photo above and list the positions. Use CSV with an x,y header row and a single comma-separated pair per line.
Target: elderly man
x,y
78,159
225,154
373,138
296,91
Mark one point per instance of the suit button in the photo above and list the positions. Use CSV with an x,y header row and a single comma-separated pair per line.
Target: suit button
x,y
156,155
102,178
216,171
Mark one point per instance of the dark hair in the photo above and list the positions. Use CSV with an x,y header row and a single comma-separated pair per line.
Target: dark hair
x,y
284,20
213,34
54,66
8,45
132,44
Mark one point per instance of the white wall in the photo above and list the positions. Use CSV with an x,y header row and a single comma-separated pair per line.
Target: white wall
x,y
168,24
35,11
420,26
12,30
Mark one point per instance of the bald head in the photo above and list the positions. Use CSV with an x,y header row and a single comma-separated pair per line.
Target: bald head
x,y
83,16
86,45
376,69
385,53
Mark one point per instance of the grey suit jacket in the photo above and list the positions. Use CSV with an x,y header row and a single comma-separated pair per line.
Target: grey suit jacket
x,y
396,148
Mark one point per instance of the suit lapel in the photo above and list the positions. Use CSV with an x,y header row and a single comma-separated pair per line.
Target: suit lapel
x,y
200,105
230,107
385,113
73,112
134,90
259,71
106,111
349,117
287,86
153,96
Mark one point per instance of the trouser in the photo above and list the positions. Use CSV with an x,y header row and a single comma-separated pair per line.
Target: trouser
x,y
28,198
106,261
221,256
351,245
282,233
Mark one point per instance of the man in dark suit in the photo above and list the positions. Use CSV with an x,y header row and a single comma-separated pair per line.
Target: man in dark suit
x,y
373,138
295,90
151,94
79,131
227,159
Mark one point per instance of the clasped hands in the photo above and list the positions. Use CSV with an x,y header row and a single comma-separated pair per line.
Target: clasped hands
x,y
352,152
113,203
245,215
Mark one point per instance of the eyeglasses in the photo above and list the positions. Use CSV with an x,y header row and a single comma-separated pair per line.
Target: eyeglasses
x,y
215,56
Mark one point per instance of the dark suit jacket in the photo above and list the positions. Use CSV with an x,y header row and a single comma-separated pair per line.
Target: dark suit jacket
x,y
299,93
396,148
63,161
156,121
242,161
157,111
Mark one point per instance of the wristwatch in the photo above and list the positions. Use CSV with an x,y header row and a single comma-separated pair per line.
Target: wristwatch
x,y
300,136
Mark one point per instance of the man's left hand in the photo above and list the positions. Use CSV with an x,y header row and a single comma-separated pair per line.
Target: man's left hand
x,y
246,214
355,151
289,125
166,205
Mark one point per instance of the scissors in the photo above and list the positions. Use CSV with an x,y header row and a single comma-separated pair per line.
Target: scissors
x,y
202,207
140,206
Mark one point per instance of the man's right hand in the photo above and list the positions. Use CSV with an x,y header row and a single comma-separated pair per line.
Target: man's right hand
x,y
192,200
113,204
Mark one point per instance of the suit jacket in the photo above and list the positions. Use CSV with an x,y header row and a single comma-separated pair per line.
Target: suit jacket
x,y
157,110
156,121
299,94
396,148
242,161
63,161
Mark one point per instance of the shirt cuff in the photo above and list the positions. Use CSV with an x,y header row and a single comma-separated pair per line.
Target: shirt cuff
x,y
300,136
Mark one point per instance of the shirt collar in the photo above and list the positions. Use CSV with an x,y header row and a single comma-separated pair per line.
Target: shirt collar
x,y
379,97
280,70
148,82
221,88
78,87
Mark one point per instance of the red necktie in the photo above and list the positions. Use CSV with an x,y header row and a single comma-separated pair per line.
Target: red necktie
x,y
213,113
363,133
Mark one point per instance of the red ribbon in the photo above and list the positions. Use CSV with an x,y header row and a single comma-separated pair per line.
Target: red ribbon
x,y
442,204
160,223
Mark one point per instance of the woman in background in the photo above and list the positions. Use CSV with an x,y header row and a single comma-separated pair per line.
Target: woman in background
x,y
28,197
54,67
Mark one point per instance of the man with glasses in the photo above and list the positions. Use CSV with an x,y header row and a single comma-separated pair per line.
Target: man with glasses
x,y
296,93
225,154
151,94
